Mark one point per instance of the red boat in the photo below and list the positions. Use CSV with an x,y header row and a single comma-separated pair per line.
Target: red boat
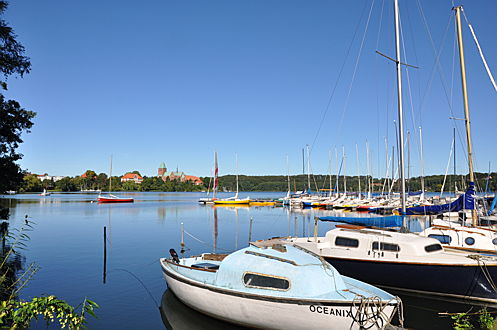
x,y
114,199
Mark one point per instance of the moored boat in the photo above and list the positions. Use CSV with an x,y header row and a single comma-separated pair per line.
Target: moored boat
x,y
114,199
277,287
404,261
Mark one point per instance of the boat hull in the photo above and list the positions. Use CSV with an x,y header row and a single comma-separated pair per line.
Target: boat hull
x,y
457,281
265,311
115,200
232,202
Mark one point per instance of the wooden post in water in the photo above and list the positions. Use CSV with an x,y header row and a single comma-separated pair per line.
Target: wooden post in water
x,y
105,254
316,229
182,237
250,230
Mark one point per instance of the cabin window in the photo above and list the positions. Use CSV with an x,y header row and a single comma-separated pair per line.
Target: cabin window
x,y
469,241
386,246
261,281
433,248
345,241
494,241
444,239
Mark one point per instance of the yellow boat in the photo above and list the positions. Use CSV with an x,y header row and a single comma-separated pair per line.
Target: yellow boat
x,y
262,203
232,201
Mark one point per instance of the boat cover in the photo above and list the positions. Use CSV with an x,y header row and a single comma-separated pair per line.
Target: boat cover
x,y
492,206
465,202
382,222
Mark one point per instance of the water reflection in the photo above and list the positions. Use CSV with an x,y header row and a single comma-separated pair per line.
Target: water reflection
x,y
178,316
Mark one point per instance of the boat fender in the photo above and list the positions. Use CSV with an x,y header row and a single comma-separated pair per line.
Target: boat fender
x,y
174,255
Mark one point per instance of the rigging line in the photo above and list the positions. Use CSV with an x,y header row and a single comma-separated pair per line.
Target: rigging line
x,y
355,70
437,65
141,282
408,81
480,50
325,112
377,85
437,57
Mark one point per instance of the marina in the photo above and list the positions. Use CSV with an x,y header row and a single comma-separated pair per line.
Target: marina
x,y
67,243
179,246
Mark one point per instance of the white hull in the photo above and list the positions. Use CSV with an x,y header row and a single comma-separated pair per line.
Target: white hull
x,y
264,313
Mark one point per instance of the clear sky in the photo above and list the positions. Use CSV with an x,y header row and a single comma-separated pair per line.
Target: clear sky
x,y
175,81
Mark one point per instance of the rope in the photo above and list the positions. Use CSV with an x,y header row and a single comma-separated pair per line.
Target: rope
x,y
480,51
484,270
370,312
205,243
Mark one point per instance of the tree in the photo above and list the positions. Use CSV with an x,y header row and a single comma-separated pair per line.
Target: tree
x,y
31,183
13,118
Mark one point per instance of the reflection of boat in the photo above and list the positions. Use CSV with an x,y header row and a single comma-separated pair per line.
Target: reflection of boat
x,y
178,316
262,203
276,286
45,193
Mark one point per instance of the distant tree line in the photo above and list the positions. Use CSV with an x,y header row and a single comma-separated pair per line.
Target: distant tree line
x,y
32,183
92,180
322,182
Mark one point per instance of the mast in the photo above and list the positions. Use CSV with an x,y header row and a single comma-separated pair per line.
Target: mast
x,y
216,179
422,164
408,158
455,178
336,166
288,174
466,107
308,169
236,161
400,112
369,170
357,162
344,172
110,175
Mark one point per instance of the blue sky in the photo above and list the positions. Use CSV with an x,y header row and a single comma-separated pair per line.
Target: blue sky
x,y
175,81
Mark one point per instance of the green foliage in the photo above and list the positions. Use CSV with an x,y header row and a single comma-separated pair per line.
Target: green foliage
x,y
15,313
485,320
31,183
18,314
478,320
462,322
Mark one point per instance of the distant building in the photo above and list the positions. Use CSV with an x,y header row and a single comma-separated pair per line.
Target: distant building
x,y
45,176
180,176
136,178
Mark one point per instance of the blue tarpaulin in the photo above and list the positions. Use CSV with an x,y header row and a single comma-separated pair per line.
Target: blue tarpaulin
x,y
465,202
390,221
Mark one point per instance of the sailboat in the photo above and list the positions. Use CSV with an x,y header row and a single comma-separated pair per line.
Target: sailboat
x,y
208,200
404,261
110,198
45,193
235,200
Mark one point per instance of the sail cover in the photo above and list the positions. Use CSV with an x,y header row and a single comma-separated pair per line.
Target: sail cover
x,y
465,202
383,222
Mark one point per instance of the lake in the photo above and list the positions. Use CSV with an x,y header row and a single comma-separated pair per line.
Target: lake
x,y
67,244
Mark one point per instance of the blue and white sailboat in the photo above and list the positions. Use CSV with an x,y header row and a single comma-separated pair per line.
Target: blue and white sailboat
x,y
277,287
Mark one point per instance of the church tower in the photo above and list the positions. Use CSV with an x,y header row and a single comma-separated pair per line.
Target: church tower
x,y
162,169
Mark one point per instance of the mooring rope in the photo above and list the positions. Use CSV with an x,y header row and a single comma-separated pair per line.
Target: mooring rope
x,y
370,312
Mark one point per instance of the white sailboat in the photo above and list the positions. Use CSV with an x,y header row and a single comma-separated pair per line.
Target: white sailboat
x,y
235,200
210,200
110,198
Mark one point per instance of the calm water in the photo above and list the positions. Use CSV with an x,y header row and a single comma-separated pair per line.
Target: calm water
x,y
67,243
